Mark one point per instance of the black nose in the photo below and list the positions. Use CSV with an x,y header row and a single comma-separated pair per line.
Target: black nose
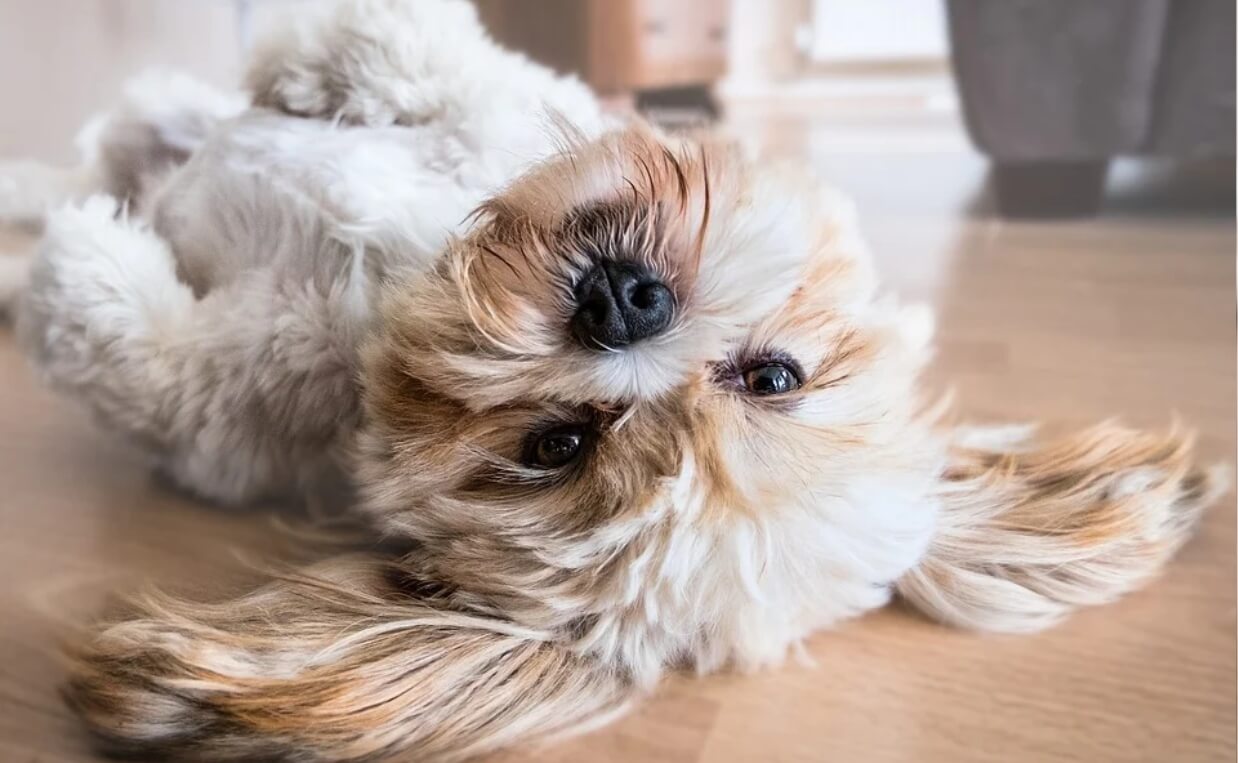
x,y
618,303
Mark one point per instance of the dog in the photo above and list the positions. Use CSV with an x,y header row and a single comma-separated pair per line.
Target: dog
x,y
633,401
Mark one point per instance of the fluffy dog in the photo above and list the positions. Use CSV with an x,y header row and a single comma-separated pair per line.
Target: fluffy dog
x,y
640,411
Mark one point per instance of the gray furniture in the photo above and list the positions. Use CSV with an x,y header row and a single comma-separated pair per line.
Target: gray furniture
x,y
1051,90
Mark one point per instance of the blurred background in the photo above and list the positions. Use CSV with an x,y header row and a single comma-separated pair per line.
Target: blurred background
x,y
1056,177
1056,95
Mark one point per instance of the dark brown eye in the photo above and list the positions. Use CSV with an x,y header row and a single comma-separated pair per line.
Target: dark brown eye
x,y
556,447
771,379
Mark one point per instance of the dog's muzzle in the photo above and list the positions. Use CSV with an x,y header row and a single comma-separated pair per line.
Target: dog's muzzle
x,y
618,303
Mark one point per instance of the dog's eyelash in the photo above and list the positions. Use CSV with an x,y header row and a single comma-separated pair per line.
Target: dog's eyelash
x,y
730,372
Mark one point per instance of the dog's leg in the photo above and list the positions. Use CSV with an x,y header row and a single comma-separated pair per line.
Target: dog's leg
x,y
338,663
224,390
104,297
162,117
391,62
370,62
1030,531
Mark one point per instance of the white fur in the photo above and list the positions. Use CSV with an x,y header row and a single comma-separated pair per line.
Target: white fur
x,y
219,331
211,306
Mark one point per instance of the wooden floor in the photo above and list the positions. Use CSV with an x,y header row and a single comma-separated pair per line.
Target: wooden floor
x,y
1131,315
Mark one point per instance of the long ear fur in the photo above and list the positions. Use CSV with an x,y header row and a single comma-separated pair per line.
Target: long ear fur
x,y
1030,531
335,664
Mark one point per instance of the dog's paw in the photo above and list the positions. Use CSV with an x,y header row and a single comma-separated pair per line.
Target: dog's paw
x,y
373,62
100,285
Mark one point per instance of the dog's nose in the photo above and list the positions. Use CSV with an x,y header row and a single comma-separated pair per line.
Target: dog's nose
x,y
619,303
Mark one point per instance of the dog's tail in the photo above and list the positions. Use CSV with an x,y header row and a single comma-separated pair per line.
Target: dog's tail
x,y
1030,530
341,663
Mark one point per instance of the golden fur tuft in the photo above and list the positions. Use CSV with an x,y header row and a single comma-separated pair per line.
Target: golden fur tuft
x,y
344,661
1031,530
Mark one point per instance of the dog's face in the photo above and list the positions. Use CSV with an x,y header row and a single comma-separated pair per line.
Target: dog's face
x,y
643,330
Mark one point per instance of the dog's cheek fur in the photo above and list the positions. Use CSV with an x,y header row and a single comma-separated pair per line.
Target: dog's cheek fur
x,y
707,529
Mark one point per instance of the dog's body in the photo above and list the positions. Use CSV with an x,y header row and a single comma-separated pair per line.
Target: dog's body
x,y
641,411
237,287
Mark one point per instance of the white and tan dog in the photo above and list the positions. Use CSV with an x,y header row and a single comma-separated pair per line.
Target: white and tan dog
x,y
640,411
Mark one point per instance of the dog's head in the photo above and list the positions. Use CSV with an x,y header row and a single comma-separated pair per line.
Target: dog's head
x,y
644,330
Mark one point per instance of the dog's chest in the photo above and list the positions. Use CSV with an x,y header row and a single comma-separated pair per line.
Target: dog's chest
x,y
743,590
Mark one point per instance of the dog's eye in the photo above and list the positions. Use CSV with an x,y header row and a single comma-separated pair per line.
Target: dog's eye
x,y
556,447
771,379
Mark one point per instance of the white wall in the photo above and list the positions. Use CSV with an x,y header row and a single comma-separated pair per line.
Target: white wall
x,y
762,44
877,30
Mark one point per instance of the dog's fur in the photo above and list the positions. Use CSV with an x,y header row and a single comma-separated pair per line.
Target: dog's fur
x,y
224,320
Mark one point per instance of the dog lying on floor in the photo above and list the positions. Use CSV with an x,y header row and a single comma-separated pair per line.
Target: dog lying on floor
x,y
640,411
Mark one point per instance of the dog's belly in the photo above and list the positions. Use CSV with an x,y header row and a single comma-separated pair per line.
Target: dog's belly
x,y
301,197
301,212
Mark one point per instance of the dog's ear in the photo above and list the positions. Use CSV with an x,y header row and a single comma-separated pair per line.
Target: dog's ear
x,y
334,664
1029,531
